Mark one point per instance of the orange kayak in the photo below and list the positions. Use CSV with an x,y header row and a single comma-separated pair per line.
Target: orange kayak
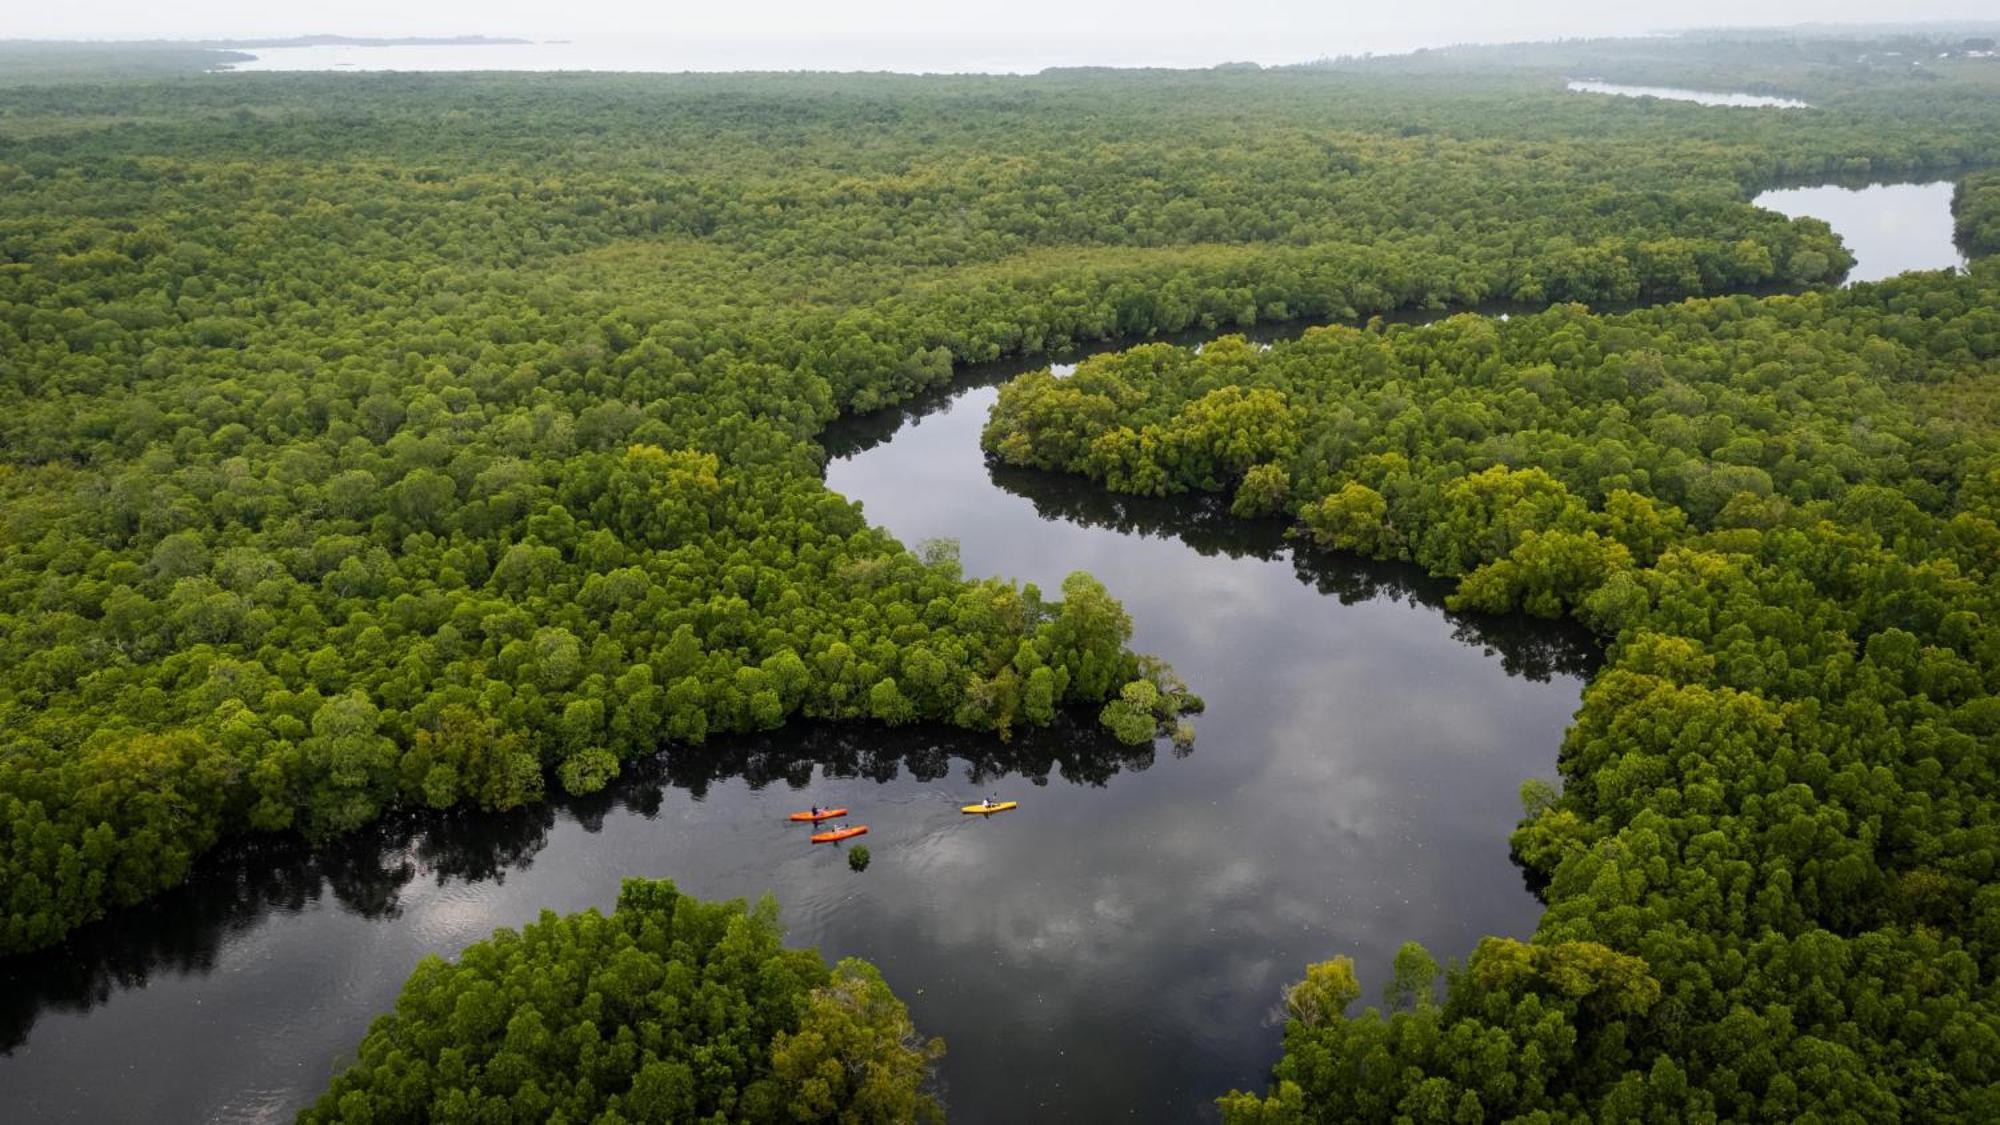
x,y
824,814
837,836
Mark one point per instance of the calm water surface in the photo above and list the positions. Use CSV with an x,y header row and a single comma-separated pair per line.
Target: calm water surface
x,y
1112,949
956,47
1676,94
1890,228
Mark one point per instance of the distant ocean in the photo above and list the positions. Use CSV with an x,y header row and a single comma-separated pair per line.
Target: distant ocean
x,y
912,56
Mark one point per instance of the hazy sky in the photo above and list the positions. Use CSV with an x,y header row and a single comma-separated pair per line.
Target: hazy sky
x,y
1181,30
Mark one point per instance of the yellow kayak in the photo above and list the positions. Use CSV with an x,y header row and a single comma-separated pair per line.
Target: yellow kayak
x,y
983,809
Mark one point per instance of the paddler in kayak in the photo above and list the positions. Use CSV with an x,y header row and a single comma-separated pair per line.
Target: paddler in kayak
x,y
815,812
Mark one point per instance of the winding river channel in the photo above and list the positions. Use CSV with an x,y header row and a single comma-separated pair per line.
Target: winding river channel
x,y
1115,948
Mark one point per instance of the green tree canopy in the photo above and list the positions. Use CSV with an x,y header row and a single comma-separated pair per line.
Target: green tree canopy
x,y
667,1009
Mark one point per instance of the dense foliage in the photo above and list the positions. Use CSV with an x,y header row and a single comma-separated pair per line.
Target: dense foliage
x,y
378,440
1833,68
1771,872
30,62
1976,213
670,1009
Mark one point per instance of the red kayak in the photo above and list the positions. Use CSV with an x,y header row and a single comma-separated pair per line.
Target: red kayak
x,y
823,814
838,835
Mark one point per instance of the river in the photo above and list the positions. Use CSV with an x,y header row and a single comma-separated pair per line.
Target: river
x,y
1889,227
1677,94
1115,948
1112,948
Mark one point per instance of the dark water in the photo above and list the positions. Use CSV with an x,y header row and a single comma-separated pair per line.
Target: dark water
x,y
1889,228
1111,949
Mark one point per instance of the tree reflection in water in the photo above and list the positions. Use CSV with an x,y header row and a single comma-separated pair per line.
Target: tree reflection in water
x,y
184,931
1531,648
